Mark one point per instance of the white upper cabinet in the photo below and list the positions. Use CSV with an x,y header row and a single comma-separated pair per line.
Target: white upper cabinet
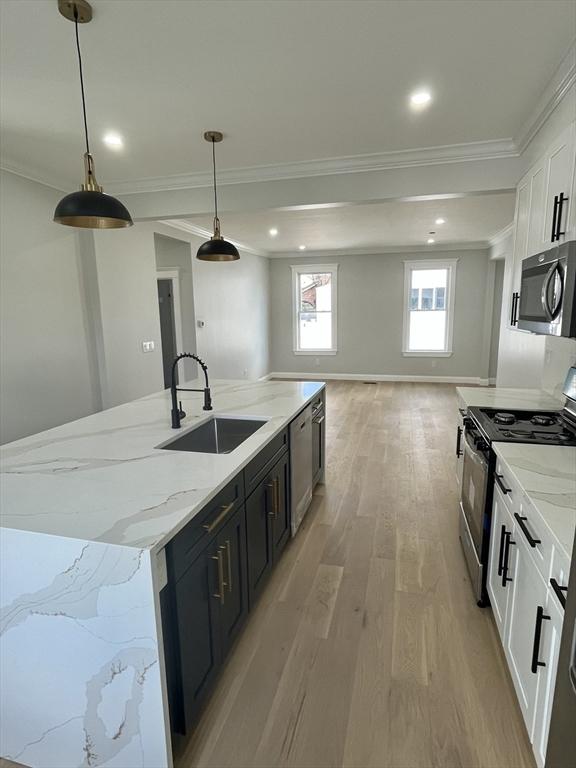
x,y
545,209
560,180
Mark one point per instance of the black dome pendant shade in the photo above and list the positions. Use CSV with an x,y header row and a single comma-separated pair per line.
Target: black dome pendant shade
x,y
216,249
89,208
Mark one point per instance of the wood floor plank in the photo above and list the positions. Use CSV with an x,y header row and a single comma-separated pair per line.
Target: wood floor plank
x,y
367,649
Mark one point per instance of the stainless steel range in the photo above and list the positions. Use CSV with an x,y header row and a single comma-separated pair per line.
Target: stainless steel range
x,y
482,427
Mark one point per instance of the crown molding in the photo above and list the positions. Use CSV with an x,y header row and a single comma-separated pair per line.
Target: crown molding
x,y
564,78
479,245
205,234
29,173
409,158
501,235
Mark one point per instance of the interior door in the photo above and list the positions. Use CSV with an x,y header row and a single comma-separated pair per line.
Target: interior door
x,y
167,328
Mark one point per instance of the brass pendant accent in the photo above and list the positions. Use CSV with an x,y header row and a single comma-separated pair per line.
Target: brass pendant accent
x,y
83,8
215,137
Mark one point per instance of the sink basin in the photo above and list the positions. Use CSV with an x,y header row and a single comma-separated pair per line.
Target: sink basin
x,y
220,434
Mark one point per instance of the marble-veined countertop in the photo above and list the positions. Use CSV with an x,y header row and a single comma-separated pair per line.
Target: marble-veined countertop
x,y
547,474
507,397
102,479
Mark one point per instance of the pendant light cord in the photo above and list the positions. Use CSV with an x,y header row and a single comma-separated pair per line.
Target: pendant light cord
x,y
214,173
81,80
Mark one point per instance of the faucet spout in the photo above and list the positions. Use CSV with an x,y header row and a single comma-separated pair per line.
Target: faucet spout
x,y
177,412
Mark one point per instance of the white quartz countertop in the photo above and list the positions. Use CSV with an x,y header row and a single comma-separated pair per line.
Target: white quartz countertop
x,y
101,478
547,474
507,397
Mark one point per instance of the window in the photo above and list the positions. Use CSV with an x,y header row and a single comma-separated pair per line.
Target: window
x,y
314,295
428,307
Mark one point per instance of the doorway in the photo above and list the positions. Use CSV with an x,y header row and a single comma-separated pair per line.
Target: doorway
x,y
168,324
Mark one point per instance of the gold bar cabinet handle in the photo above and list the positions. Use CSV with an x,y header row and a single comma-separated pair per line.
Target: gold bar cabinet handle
x,y
220,593
229,561
210,526
272,487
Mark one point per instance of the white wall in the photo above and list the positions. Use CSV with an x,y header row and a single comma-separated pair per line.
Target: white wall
x,y
45,375
370,318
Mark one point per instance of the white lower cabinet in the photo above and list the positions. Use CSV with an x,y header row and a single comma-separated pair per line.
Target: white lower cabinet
x,y
528,595
527,613
497,582
549,649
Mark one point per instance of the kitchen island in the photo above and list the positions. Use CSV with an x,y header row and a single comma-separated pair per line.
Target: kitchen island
x,y
87,510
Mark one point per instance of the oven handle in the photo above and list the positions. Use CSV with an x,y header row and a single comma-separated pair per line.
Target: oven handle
x,y
459,451
472,452
548,311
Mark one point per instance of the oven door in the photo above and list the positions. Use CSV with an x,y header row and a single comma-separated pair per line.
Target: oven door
x,y
541,295
474,490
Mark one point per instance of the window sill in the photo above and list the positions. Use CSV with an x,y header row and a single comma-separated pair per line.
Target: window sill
x,y
427,353
316,352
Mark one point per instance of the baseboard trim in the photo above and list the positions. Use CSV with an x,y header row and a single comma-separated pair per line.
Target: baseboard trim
x,y
381,377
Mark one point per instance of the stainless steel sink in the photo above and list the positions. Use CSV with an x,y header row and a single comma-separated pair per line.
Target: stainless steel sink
x,y
221,434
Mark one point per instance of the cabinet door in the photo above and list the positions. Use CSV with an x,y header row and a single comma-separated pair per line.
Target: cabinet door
x,y
528,594
548,654
280,478
234,605
259,512
521,225
560,160
197,604
497,582
536,235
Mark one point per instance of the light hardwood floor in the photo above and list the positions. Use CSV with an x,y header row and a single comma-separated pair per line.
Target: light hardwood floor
x,y
367,648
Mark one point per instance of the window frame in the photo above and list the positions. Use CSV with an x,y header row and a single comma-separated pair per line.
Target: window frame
x,y
449,303
306,269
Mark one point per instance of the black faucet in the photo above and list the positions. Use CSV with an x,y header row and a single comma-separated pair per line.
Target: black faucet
x,y
177,412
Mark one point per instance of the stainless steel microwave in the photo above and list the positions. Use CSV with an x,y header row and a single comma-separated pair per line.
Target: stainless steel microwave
x,y
547,302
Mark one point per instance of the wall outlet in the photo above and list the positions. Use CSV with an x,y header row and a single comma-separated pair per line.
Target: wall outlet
x,y
147,346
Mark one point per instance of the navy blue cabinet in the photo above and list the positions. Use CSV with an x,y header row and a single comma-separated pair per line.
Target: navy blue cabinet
x,y
217,566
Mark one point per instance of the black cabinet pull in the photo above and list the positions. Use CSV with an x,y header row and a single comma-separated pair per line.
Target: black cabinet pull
x,y
561,200
554,217
459,452
500,484
508,543
559,592
501,552
514,311
540,617
529,538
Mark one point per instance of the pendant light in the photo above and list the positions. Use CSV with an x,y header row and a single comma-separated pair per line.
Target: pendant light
x,y
90,207
216,249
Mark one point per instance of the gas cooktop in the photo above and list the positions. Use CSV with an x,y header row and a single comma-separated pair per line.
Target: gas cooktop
x,y
544,427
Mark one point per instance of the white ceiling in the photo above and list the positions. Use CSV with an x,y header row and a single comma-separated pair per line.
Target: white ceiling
x,y
473,219
287,81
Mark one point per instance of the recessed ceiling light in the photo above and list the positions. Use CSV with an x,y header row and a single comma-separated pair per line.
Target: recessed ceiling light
x,y
430,240
301,247
420,99
113,140
440,221
273,232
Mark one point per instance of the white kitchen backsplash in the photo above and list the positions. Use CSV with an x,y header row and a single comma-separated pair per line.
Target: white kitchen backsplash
x,y
560,354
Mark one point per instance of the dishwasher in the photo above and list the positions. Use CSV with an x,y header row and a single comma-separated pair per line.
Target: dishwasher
x,y
300,466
